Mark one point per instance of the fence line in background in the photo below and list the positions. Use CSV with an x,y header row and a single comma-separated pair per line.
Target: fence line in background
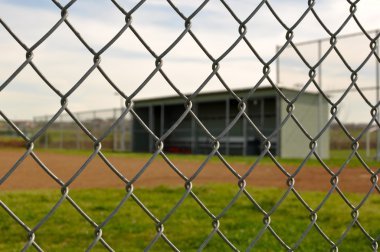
x,y
331,90
66,134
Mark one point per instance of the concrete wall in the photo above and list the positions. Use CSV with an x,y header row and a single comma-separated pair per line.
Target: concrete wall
x,y
294,143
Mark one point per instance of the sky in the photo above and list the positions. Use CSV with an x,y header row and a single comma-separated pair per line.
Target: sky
x,y
63,59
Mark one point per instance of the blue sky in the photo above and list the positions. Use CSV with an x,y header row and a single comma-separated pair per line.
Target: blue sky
x,y
63,59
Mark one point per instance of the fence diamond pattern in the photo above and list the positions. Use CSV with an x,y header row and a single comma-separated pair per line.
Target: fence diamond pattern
x,y
215,63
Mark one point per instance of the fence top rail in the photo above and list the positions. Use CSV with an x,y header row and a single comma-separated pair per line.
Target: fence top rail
x,y
349,35
43,117
261,91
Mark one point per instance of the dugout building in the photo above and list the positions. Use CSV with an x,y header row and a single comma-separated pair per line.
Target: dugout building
x,y
216,109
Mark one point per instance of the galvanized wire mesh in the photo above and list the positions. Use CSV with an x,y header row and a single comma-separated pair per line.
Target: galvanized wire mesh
x,y
216,61
70,137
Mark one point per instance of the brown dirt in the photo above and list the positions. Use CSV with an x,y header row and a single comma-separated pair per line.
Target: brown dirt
x,y
97,175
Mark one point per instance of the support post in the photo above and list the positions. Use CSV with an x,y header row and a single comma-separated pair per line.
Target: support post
x,y
114,145
278,66
122,131
151,127
132,133
61,133
194,130
378,99
162,120
244,136
79,136
368,143
46,135
94,123
278,122
227,137
320,101
261,112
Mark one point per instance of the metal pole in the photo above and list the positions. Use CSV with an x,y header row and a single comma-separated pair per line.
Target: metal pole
x,y
320,110
194,135
368,143
61,133
132,134
278,67
226,123
377,99
79,136
193,129
46,135
278,122
244,136
151,126
261,100
122,130
114,132
123,126
95,127
162,120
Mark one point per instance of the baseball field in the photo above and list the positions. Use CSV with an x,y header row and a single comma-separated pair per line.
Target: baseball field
x,y
30,193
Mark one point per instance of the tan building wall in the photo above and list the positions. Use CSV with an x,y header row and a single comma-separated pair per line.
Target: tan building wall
x,y
313,117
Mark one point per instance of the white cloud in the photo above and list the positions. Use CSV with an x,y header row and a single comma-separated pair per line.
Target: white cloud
x,y
63,59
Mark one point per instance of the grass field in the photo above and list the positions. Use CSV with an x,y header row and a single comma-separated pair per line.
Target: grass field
x,y
337,157
132,230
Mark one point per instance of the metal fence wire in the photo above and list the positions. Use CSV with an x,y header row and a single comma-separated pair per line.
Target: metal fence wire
x,y
290,178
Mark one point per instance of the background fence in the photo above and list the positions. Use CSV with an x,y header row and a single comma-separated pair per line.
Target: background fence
x,y
66,133
331,79
103,133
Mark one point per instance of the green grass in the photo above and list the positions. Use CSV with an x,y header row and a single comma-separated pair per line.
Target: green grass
x,y
337,157
10,139
132,230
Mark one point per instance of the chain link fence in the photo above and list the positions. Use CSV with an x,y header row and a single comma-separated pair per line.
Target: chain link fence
x,y
215,62
65,134
330,76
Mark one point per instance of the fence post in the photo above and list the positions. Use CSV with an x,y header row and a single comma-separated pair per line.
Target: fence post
x,y
194,137
162,119
377,99
151,127
320,101
114,144
278,66
245,135
78,138
227,137
61,133
46,138
122,131
368,143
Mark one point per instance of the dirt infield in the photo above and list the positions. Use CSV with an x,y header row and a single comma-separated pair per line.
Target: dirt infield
x,y
97,175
